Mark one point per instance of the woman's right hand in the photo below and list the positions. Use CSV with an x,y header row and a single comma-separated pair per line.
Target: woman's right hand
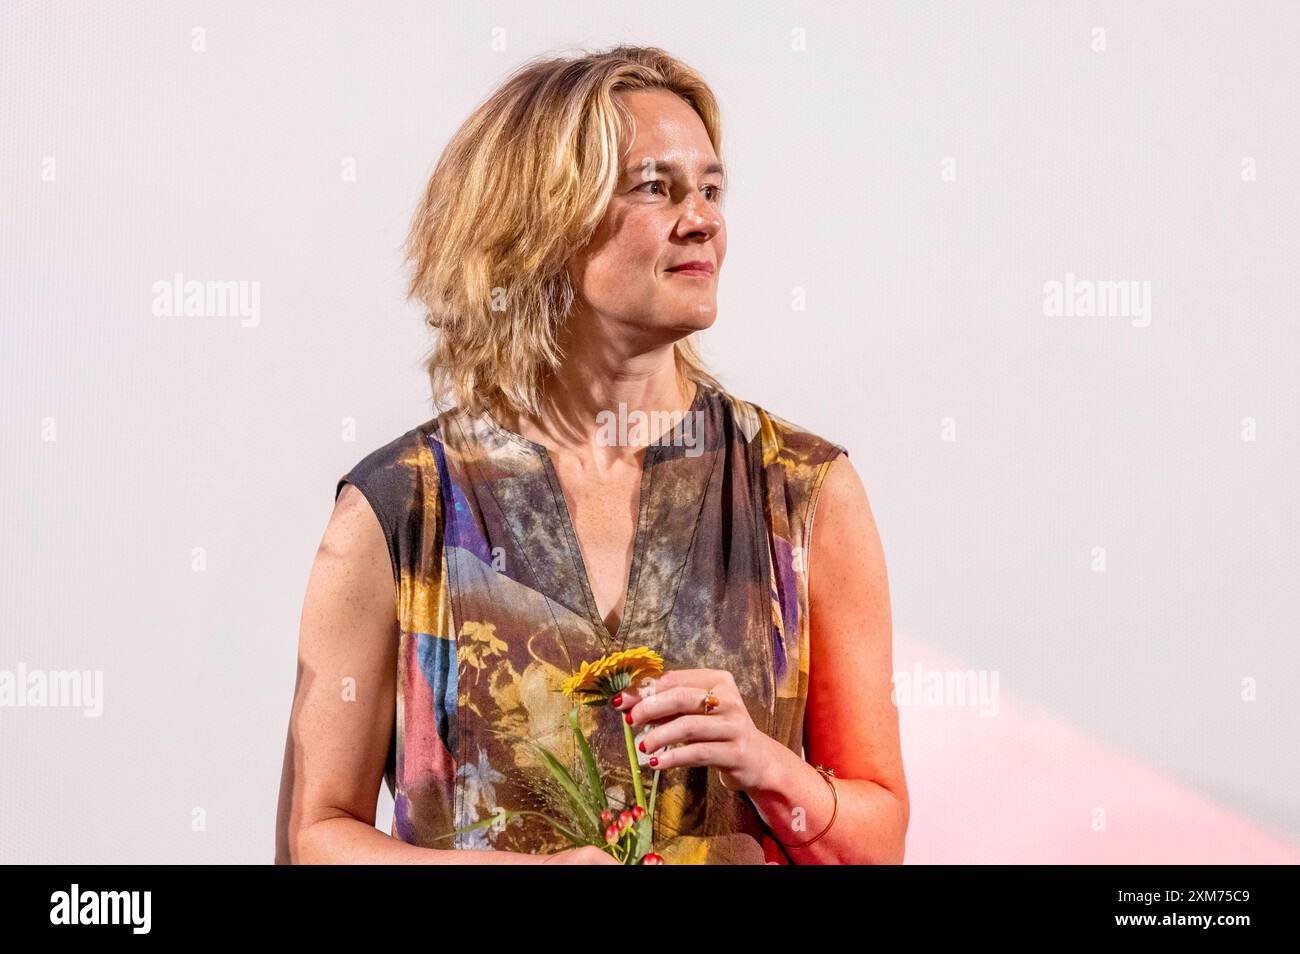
x,y
582,855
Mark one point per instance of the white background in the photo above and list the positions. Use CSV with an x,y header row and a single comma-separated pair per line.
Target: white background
x,y
923,302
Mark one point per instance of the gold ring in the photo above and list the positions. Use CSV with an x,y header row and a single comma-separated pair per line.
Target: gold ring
x,y
709,702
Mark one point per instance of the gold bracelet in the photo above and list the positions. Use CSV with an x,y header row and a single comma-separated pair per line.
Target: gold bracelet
x,y
826,774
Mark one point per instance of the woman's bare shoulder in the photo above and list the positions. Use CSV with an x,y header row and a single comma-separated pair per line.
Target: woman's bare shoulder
x,y
782,438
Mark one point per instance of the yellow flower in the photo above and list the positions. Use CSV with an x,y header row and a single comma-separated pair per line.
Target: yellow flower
x,y
638,662
583,679
595,682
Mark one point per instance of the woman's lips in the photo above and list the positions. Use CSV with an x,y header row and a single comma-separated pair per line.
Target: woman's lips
x,y
696,270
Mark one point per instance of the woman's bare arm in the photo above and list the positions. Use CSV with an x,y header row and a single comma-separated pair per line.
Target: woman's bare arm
x,y
343,707
851,722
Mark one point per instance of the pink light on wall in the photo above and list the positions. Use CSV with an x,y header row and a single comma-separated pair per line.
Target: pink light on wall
x,y
1024,787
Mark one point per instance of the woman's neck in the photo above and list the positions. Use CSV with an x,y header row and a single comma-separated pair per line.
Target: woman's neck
x,y
580,401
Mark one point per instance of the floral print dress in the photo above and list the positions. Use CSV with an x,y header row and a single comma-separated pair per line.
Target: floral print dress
x,y
495,611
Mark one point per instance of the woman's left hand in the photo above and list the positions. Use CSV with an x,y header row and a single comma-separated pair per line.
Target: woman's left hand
x,y
726,737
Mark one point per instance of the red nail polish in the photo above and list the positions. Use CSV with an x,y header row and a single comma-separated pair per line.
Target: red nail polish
x,y
641,745
628,717
617,700
654,760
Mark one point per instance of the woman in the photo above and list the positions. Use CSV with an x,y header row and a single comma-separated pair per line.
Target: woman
x,y
567,247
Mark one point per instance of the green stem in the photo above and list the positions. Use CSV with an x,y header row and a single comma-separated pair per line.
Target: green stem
x,y
654,791
636,769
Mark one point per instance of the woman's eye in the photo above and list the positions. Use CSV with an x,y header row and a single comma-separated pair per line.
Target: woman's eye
x,y
716,196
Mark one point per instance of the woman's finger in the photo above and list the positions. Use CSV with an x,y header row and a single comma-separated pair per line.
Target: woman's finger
x,y
682,729
692,754
666,703
644,688
625,700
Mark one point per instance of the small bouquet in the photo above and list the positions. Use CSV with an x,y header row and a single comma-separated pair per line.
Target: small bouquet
x,y
587,817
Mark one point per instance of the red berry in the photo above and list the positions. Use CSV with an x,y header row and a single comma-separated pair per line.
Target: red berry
x,y
607,815
611,834
638,812
652,859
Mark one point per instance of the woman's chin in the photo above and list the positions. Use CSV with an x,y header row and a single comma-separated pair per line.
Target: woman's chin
x,y
693,317
690,327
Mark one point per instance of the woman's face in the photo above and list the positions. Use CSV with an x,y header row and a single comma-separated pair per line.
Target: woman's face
x,y
664,213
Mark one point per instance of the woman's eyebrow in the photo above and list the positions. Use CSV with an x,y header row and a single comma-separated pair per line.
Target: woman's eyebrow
x,y
672,168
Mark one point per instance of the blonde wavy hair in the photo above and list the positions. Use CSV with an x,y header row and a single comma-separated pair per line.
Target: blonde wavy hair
x,y
520,188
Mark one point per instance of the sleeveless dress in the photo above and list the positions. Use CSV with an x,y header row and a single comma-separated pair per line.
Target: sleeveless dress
x,y
495,611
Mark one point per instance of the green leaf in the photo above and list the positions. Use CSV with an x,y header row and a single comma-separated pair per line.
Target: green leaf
x,y
584,811
644,832
593,774
481,823
645,827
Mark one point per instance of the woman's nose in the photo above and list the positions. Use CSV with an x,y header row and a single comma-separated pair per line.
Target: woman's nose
x,y
699,214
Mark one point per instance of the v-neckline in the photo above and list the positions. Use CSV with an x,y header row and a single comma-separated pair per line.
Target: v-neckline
x,y
575,545
608,638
